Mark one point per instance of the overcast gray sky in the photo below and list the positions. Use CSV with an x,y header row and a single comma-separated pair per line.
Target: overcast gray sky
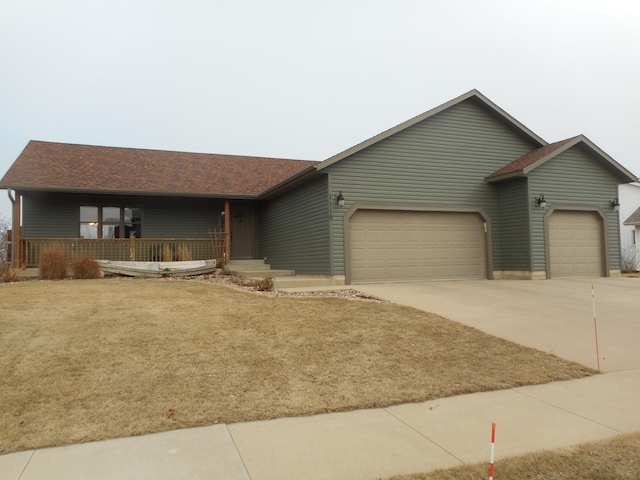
x,y
308,79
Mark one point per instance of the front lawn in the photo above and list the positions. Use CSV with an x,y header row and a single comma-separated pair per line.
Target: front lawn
x,y
84,360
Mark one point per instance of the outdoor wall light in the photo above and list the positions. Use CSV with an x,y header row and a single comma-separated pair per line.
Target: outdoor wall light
x,y
615,204
340,199
541,201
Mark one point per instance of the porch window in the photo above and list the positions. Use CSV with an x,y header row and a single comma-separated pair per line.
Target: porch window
x,y
88,222
110,222
132,219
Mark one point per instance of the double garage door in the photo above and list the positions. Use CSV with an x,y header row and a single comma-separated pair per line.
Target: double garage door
x,y
389,245
575,244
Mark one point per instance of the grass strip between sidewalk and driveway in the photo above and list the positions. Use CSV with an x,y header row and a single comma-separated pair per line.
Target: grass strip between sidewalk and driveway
x,y
84,360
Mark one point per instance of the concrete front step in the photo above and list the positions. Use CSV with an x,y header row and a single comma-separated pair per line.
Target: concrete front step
x,y
257,269
249,264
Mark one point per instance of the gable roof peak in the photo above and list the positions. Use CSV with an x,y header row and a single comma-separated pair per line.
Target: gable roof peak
x,y
532,160
430,113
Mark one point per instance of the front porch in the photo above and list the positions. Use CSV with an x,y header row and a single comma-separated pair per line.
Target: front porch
x,y
131,249
190,229
168,250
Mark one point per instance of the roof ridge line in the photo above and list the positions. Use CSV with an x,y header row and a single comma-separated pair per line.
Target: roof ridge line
x,y
170,151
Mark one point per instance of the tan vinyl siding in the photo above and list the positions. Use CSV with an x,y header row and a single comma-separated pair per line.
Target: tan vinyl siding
x,y
295,230
441,161
514,221
573,178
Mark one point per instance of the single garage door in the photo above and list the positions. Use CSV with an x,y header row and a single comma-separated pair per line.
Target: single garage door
x,y
389,245
575,244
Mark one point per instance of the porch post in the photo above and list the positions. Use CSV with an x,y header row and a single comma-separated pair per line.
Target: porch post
x,y
227,231
16,250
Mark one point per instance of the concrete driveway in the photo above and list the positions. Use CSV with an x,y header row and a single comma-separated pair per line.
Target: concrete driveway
x,y
554,316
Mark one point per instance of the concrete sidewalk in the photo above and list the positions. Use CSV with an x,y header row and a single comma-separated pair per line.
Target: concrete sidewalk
x,y
364,444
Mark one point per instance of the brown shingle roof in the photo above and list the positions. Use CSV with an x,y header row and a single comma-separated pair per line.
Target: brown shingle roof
x,y
68,167
519,165
539,156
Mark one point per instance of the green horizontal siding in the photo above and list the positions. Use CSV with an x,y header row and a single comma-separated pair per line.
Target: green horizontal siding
x,y
514,220
181,217
50,216
56,215
295,230
441,161
573,178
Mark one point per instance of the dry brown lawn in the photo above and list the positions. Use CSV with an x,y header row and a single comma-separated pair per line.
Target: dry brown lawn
x,y
614,459
84,360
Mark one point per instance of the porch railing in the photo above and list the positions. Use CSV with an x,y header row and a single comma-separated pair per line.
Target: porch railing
x,y
125,249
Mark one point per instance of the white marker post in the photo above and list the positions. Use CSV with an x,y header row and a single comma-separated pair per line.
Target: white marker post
x,y
595,324
493,449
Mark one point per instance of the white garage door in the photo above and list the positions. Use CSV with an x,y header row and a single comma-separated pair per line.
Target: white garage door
x,y
388,245
575,244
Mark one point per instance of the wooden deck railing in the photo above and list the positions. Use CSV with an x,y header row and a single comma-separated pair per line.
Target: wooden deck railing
x,y
124,249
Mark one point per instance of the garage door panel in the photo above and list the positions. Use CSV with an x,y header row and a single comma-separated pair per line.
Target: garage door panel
x,y
565,235
410,255
580,251
592,252
416,246
410,236
575,244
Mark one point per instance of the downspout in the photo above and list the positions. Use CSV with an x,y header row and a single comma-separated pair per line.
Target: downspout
x,y
16,254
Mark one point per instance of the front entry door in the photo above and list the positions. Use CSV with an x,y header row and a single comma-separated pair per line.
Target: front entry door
x,y
241,225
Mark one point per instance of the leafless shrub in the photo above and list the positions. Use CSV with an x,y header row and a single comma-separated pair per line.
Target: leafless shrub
x,y
167,253
629,258
86,268
4,244
10,274
184,253
53,263
263,285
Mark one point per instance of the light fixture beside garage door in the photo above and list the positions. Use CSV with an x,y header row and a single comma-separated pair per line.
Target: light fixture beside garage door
x,y
340,199
542,203
615,204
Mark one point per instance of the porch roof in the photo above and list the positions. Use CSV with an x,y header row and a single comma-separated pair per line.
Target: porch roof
x,y
48,166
